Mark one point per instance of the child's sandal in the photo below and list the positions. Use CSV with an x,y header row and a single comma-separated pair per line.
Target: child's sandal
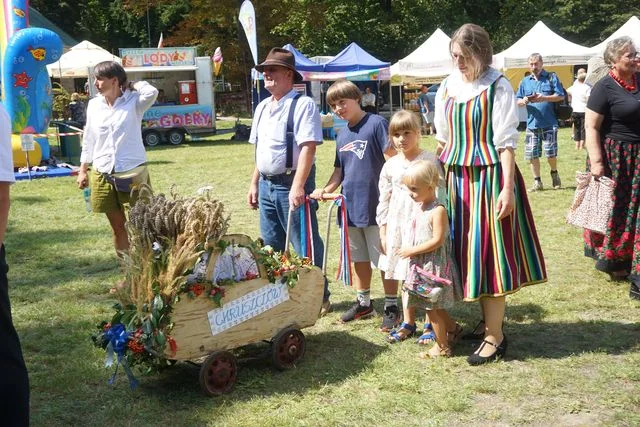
x,y
397,335
454,337
428,336
436,352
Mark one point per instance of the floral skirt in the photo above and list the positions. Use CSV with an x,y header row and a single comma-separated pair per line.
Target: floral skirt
x,y
619,247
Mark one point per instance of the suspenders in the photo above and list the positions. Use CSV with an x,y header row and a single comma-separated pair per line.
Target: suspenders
x,y
290,133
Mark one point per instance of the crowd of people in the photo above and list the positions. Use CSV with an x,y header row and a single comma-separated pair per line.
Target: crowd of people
x,y
447,226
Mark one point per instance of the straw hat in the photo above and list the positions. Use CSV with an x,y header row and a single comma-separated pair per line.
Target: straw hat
x,y
282,58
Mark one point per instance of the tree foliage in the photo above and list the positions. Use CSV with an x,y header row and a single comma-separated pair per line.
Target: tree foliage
x,y
387,29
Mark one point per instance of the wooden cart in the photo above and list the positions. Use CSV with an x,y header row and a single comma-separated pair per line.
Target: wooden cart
x,y
202,330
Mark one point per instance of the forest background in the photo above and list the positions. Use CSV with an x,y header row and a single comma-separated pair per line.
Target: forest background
x,y
388,29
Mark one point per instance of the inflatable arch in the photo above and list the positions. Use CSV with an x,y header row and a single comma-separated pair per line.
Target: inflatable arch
x,y
26,87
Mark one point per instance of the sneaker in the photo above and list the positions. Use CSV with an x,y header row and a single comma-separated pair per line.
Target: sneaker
x,y
356,312
537,186
555,180
390,318
325,308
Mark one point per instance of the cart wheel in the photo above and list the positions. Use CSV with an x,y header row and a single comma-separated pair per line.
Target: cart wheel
x,y
287,347
218,373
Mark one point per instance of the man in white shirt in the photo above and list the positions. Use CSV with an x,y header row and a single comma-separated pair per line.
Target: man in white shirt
x,y
285,169
578,94
113,143
368,101
14,381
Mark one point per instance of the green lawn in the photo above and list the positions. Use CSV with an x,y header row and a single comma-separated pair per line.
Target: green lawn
x,y
573,358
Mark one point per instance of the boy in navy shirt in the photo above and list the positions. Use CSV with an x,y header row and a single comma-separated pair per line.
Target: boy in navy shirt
x,y
360,154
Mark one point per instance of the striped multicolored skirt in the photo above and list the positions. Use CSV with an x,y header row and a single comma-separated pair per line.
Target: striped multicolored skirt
x,y
495,258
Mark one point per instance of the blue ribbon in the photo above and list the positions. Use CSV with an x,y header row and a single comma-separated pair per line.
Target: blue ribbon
x,y
118,337
303,232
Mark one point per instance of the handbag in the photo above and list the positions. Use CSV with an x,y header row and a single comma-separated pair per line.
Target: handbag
x,y
563,108
424,284
592,203
129,180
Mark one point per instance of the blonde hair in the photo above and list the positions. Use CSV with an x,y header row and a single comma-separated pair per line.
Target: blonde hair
x,y
404,120
422,173
475,45
75,96
343,89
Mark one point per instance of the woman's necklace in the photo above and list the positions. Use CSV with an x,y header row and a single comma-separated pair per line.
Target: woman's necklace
x,y
630,87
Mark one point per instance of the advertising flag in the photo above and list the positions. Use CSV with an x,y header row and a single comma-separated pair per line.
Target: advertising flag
x,y
217,61
160,45
247,18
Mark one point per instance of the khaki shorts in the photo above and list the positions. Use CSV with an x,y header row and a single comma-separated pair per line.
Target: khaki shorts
x,y
105,198
364,244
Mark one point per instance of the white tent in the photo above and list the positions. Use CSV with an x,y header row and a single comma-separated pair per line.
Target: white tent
x,y
431,59
554,50
630,28
596,66
79,59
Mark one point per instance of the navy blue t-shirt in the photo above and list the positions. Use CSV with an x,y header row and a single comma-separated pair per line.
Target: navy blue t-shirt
x,y
360,154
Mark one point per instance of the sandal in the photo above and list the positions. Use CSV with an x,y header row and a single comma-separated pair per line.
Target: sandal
x,y
396,335
436,351
454,336
428,336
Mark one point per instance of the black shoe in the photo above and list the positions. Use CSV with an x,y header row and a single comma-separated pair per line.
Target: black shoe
x,y
357,311
475,359
476,334
390,318
634,292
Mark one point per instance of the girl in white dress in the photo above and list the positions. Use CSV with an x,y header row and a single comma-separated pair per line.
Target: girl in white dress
x,y
395,206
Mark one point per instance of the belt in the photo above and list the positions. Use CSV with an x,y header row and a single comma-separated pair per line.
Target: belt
x,y
282,178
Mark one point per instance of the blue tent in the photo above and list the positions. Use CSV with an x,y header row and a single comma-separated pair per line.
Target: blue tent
x,y
302,62
353,58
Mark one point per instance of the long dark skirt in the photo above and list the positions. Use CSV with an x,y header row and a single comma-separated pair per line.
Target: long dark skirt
x,y
619,247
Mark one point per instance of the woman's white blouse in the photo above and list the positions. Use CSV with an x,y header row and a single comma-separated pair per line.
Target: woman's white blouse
x,y
113,136
505,109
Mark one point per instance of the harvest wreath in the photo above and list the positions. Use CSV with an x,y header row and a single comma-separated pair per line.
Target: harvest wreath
x,y
171,241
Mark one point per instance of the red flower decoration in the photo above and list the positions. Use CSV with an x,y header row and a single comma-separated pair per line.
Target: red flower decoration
x,y
626,236
250,276
197,289
609,254
172,345
135,346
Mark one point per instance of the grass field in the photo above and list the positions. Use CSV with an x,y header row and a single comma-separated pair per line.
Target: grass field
x,y
573,358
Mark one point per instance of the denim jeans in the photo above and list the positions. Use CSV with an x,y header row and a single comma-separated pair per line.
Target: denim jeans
x,y
273,202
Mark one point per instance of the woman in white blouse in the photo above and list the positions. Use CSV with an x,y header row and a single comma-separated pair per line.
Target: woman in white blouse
x,y
112,143
495,241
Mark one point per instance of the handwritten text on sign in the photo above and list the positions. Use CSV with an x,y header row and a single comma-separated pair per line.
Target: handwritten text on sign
x,y
247,306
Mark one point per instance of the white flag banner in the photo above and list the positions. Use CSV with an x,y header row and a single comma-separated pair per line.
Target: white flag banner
x,y
247,18
160,42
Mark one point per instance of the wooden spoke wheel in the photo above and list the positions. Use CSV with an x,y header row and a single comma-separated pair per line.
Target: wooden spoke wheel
x,y
218,373
287,347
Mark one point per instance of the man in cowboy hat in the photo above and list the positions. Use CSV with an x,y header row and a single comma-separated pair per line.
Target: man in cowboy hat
x,y
286,129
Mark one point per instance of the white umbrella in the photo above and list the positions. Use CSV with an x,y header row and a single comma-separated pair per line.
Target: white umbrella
x,y
79,59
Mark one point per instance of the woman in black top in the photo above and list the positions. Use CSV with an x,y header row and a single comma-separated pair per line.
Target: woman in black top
x,y
612,123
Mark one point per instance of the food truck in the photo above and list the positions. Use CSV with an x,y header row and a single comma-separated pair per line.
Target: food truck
x,y
185,104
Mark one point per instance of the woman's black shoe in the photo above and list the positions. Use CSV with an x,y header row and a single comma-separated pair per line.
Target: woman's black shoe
x,y
634,292
475,359
476,333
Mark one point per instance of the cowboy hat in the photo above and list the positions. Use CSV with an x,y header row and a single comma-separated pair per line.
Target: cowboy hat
x,y
282,58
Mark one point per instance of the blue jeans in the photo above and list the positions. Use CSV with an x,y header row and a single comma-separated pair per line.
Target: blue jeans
x,y
273,202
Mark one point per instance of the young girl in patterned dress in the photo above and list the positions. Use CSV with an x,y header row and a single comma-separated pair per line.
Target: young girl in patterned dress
x,y
432,280
395,206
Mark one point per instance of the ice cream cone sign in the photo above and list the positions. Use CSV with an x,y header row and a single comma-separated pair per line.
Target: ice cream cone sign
x,y
217,61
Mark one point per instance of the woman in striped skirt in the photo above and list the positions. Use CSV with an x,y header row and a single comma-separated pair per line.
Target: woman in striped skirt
x,y
495,241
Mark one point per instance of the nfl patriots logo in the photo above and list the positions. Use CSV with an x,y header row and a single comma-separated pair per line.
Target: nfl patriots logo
x,y
357,147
